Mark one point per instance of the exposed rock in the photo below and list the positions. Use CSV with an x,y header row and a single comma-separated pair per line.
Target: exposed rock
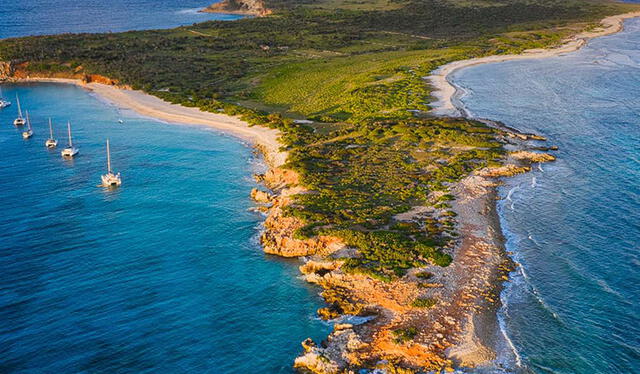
x,y
329,312
507,170
319,267
278,237
278,178
308,344
342,326
529,156
260,196
249,7
13,71
95,78
6,70
334,357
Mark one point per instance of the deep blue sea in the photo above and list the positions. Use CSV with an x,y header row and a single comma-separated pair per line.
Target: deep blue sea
x,y
164,275
37,17
573,225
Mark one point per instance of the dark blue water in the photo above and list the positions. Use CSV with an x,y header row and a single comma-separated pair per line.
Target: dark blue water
x,y
164,275
574,225
37,17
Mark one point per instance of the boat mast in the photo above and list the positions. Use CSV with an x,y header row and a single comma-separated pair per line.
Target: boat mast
x,y
19,109
108,158
28,121
50,129
69,131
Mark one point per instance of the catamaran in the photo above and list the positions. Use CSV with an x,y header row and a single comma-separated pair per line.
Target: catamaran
x,y
20,120
110,179
29,133
51,142
70,150
3,103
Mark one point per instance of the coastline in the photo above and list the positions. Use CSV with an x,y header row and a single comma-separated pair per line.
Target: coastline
x,y
480,252
446,92
150,106
476,337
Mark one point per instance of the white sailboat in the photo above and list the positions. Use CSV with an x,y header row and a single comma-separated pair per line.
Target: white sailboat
x,y
20,120
51,142
70,150
110,179
29,133
3,103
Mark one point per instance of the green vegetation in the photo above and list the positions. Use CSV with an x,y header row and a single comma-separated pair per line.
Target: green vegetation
x,y
404,335
423,302
356,69
425,275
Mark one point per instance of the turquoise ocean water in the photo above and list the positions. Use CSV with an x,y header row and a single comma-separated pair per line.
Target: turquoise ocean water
x,y
574,225
164,275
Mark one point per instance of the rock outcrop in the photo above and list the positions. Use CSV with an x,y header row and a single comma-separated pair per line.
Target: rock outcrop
x,y
259,196
279,237
6,70
333,357
21,71
248,7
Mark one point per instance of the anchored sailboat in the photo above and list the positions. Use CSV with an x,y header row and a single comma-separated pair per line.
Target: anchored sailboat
x,y
20,120
110,179
70,150
51,142
29,133
3,103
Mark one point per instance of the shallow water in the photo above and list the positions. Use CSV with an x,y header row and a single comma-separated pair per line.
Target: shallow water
x,y
164,275
38,17
574,225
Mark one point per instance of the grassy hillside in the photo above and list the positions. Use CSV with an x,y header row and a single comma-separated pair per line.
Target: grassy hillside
x,y
356,68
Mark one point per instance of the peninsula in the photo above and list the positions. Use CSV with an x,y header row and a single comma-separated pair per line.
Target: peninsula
x,y
247,7
391,206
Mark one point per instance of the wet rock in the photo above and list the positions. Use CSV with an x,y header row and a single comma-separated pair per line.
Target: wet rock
x,y
260,196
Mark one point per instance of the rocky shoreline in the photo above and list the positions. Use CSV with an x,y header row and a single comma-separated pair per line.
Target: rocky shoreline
x,y
376,323
373,319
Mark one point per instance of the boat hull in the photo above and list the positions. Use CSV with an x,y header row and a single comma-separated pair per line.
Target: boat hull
x,y
51,143
111,180
69,152
27,134
19,122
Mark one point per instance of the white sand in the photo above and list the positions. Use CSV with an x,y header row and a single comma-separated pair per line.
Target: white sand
x,y
151,106
444,91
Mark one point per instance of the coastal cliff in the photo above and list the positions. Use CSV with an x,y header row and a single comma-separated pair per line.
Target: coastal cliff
x,y
248,7
22,71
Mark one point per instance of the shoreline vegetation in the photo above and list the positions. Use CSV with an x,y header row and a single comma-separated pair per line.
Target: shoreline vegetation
x,y
392,208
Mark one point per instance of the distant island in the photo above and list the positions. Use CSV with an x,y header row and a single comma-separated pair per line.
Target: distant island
x,y
248,7
391,204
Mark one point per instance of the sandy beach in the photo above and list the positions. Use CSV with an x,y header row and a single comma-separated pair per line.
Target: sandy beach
x,y
445,91
481,336
153,107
